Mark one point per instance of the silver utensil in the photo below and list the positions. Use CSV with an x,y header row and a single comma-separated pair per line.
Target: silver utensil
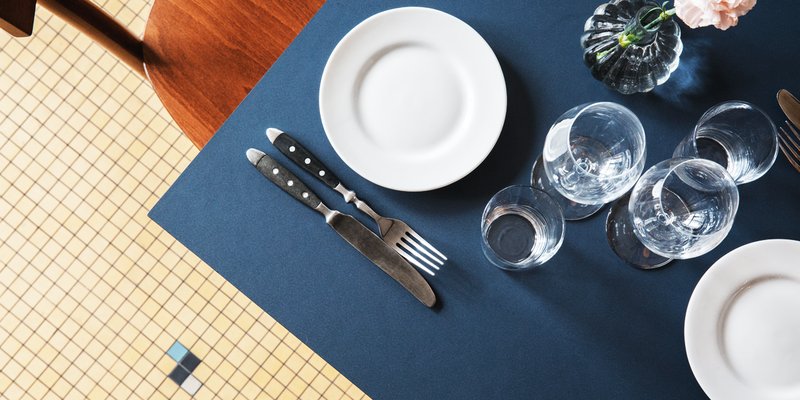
x,y
352,231
394,232
790,146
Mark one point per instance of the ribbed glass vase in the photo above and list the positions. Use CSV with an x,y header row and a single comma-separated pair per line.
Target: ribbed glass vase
x,y
631,67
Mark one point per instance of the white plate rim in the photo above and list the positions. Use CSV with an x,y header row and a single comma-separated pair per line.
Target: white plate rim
x,y
710,298
488,137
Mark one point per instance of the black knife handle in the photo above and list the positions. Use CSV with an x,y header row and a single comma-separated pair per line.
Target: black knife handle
x,y
302,157
285,179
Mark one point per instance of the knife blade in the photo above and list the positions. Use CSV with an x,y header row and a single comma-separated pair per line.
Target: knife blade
x,y
352,231
790,106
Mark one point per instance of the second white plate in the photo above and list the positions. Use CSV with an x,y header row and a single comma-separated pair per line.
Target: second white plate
x,y
412,99
743,324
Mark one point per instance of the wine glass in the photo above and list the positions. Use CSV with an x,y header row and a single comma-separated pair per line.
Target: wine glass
x,y
521,227
680,208
738,136
592,155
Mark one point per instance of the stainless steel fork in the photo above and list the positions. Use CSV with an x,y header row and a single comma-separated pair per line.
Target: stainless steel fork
x,y
790,144
394,232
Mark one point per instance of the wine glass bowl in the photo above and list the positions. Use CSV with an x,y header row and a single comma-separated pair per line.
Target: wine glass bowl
x,y
738,136
594,153
683,207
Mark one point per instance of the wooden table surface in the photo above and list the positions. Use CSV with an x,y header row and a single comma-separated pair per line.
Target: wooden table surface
x,y
204,56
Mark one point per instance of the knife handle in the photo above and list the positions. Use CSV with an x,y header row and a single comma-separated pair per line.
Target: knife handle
x,y
302,157
286,180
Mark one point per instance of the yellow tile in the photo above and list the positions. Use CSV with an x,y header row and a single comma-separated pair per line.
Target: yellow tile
x,y
333,392
354,392
97,393
214,382
202,372
224,346
295,362
270,341
36,367
274,388
284,375
308,373
213,359
166,364
168,388
204,394
329,372
261,377
234,333
121,392
23,356
130,356
297,386
292,341
225,369
272,365
61,388
153,354
49,377
236,356
227,392
25,379
14,391
310,394
142,367
320,383
282,352
238,380
5,382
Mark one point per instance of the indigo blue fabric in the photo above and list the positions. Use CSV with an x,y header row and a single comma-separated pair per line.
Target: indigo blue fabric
x,y
584,325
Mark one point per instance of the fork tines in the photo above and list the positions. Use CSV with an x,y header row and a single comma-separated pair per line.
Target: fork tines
x,y
419,252
790,146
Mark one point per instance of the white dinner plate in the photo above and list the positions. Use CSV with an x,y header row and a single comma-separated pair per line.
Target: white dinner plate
x,y
412,99
743,324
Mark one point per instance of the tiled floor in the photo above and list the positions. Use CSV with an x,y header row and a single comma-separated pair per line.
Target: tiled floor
x,y
94,295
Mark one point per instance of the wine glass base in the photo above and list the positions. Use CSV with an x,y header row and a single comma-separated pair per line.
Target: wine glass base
x,y
622,239
572,211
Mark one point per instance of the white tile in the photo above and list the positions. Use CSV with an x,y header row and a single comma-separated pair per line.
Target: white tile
x,y
191,385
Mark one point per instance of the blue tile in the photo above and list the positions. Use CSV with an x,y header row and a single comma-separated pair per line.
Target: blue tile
x,y
179,375
190,361
177,351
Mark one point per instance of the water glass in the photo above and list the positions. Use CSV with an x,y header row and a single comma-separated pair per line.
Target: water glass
x,y
680,208
738,136
522,227
592,155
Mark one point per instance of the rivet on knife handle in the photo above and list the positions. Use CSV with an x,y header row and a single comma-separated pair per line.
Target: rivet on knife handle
x,y
283,178
305,159
302,157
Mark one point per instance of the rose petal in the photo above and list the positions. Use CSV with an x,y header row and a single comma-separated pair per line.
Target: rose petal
x,y
723,14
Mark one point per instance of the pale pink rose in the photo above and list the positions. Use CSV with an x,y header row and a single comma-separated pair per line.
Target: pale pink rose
x,y
721,13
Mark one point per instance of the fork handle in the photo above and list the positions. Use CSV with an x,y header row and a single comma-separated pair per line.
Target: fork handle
x,y
302,157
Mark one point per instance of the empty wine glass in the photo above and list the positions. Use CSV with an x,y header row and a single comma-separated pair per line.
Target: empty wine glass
x,y
738,136
592,155
680,208
522,227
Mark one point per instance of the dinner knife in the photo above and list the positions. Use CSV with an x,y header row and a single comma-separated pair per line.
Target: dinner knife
x,y
352,231
790,106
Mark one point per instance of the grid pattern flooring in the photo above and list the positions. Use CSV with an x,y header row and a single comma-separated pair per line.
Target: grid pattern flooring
x,y
93,293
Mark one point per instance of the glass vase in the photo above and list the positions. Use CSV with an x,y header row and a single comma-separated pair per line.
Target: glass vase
x,y
625,66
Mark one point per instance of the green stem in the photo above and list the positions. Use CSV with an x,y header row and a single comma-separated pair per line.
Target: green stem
x,y
627,39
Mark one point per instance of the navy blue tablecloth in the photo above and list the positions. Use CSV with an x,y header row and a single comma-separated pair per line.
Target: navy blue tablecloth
x,y
584,325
